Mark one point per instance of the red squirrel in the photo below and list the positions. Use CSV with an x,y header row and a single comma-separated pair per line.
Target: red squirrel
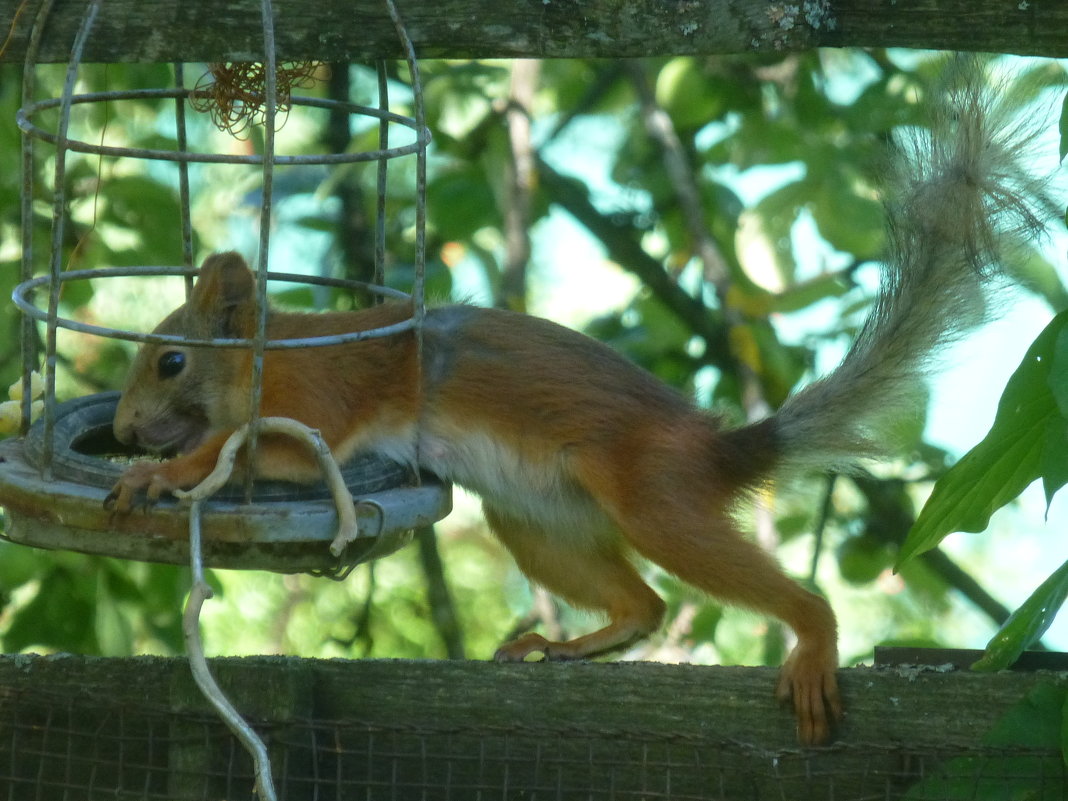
x,y
582,459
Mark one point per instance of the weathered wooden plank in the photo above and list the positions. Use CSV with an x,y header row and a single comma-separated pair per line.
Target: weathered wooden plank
x,y
885,705
356,30
398,729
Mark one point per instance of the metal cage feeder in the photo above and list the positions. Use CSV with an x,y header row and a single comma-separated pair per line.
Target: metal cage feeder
x,y
58,473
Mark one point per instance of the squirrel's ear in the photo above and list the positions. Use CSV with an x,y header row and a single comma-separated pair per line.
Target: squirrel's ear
x,y
225,293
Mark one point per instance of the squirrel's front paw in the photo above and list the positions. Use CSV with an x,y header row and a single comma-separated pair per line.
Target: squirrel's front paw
x,y
152,477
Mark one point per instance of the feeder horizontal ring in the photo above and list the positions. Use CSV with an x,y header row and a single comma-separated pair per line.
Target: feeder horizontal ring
x,y
287,528
21,292
22,118
84,441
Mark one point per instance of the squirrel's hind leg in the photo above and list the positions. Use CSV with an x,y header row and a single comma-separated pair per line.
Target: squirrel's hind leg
x,y
592,573
712,555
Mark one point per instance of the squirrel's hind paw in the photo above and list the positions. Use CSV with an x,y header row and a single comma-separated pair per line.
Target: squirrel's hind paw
x,y
808,683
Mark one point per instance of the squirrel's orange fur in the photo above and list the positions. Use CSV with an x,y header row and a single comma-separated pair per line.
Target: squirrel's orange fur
x,y
581,458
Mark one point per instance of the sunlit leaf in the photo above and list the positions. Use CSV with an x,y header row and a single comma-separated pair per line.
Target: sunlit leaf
x,y
1030,268
692,97
1058,372
777,213
861,231
804,294
1054,465
1028,86
879,107
1064,127
1027,624
1009,458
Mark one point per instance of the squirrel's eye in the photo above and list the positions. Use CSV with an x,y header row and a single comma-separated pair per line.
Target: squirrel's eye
x,y
171,363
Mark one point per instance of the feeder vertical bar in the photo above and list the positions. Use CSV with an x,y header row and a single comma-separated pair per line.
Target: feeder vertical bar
x,y
423,138
270,68
58,220
28,331
27,336
383,165
183,175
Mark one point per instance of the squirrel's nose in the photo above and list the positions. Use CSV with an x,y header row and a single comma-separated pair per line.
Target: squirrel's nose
x,y
124,434
123,427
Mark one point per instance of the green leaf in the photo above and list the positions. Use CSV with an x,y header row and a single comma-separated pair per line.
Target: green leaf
x,y
1011,456
1055,453
1064,127
317,222
689,94
777,212
1054,464
807,293
863,558
461,201
882,105
112,629
1058,372
18,566
861,230
1033,722
1027,624
1033,271
60,615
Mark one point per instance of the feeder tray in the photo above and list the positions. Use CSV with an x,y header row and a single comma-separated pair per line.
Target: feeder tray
x,y
286,528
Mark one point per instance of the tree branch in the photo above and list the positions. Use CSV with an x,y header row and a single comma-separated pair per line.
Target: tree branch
x,y
680,172
519,179
622,241
442,609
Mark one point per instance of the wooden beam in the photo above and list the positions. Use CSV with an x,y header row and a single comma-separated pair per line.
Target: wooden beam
x,y
400,729
359,30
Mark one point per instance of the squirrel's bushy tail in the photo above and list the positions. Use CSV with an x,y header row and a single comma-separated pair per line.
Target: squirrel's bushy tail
x,y
961,194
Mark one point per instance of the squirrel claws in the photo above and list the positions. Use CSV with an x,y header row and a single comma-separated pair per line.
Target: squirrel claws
x,y
120,500
142,476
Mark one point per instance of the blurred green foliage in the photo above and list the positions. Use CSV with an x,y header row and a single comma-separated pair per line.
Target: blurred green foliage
x,y
795,250
1036,722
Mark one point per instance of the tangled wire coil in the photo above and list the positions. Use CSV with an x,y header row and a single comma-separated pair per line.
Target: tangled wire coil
x,y
235,95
